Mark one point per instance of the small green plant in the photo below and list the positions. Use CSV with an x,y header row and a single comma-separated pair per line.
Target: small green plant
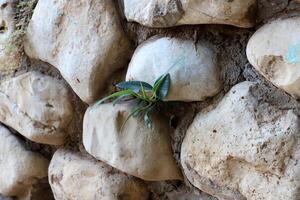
x,y
147,96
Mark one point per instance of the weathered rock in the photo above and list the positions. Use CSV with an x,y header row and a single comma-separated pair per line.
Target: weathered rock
x,y
75,176
10,57
37,106
157,13
193,68
19,168
83,39
133,148
244,148
274,50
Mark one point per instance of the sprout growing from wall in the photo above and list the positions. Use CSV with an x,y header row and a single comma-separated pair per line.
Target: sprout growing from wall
x,y
147,96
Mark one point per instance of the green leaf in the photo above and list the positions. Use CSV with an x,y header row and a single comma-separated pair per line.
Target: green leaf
x,y
147,118
134,85
135,111
161,86
121,98
115,95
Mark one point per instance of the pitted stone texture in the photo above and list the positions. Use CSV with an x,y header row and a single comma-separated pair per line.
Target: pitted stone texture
x,y
19,168
244,148
134,149
274,50
193,67
37,106
83,39
10,57
166,13
77,177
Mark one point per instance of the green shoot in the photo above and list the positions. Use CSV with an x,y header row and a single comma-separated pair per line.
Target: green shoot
x,y
147,95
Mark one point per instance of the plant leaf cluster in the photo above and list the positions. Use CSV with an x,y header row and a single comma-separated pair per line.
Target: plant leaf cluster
x,y
147,96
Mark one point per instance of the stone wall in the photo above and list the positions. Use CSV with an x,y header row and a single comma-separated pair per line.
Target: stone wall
x,y
229,127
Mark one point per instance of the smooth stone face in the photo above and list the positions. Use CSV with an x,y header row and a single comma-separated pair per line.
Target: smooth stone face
x,y
240,13
244,149
166,13
274,50
19,168
37,106
135,149
77,177
10,56
83,39
193,68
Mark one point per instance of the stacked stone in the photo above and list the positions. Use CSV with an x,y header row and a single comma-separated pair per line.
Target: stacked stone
x,y
240,147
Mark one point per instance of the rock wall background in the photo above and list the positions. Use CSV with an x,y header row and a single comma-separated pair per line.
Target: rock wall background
x,y
229,44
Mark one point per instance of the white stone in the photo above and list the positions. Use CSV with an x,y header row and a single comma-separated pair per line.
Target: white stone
x,y
166,13
37,106
244,148
193,67
83,39
135,149
274,50
75,176
10,56
19,168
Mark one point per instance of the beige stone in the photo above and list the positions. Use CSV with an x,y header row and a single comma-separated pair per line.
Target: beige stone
x,y
193,68
19,168
244,148
166,13
37,106
84,40
274,50
134,149
75,176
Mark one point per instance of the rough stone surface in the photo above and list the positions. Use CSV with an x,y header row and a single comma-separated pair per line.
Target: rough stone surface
x,y
244,148
194,70
19,168
133,149
75,176
83,39
157,13
10,56
274,50
37,106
